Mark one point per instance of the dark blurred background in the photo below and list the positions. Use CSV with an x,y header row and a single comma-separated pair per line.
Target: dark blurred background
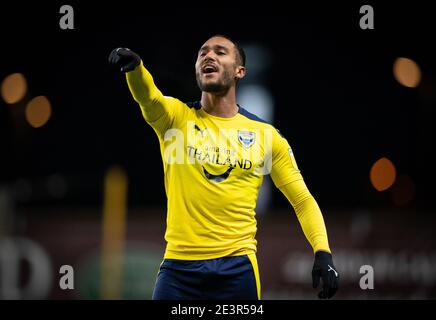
x,y
357,106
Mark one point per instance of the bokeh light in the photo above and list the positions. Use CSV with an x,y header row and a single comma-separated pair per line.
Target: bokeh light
x,y
407,72
38,111
14,88
383,174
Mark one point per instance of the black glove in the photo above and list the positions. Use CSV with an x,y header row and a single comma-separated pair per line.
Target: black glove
x,y
125,58
324,269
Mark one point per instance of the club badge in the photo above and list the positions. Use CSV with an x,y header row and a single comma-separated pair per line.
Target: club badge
x,y
246,138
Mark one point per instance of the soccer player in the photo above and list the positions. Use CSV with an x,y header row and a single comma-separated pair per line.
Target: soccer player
x,y
215,154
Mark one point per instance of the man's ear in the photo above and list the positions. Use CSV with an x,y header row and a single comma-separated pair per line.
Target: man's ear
x,y
240,72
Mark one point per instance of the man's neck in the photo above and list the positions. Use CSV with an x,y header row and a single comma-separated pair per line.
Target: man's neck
x,y
220,105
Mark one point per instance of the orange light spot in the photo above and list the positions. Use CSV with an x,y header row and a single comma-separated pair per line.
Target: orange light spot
x,y
383,174
407,72
38,111
13,88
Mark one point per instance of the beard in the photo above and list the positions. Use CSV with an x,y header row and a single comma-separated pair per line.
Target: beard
x,y
222,84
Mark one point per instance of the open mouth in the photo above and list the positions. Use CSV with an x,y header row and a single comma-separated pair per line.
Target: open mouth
x,y
207,69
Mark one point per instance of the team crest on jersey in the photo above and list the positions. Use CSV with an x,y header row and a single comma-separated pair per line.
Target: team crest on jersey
x,y
246,138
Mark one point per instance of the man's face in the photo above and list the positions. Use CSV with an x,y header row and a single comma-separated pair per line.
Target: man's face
x,y
216,68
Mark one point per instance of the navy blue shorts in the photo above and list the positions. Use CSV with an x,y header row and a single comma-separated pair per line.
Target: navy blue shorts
x,y
228,278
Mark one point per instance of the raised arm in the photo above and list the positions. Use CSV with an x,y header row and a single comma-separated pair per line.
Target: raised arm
x,y
157,109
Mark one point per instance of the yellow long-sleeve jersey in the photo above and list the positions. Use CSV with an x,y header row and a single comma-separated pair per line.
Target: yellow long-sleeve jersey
x,y
213,169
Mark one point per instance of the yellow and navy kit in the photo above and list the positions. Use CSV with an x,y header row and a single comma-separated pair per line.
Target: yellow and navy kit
x,y
213,169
